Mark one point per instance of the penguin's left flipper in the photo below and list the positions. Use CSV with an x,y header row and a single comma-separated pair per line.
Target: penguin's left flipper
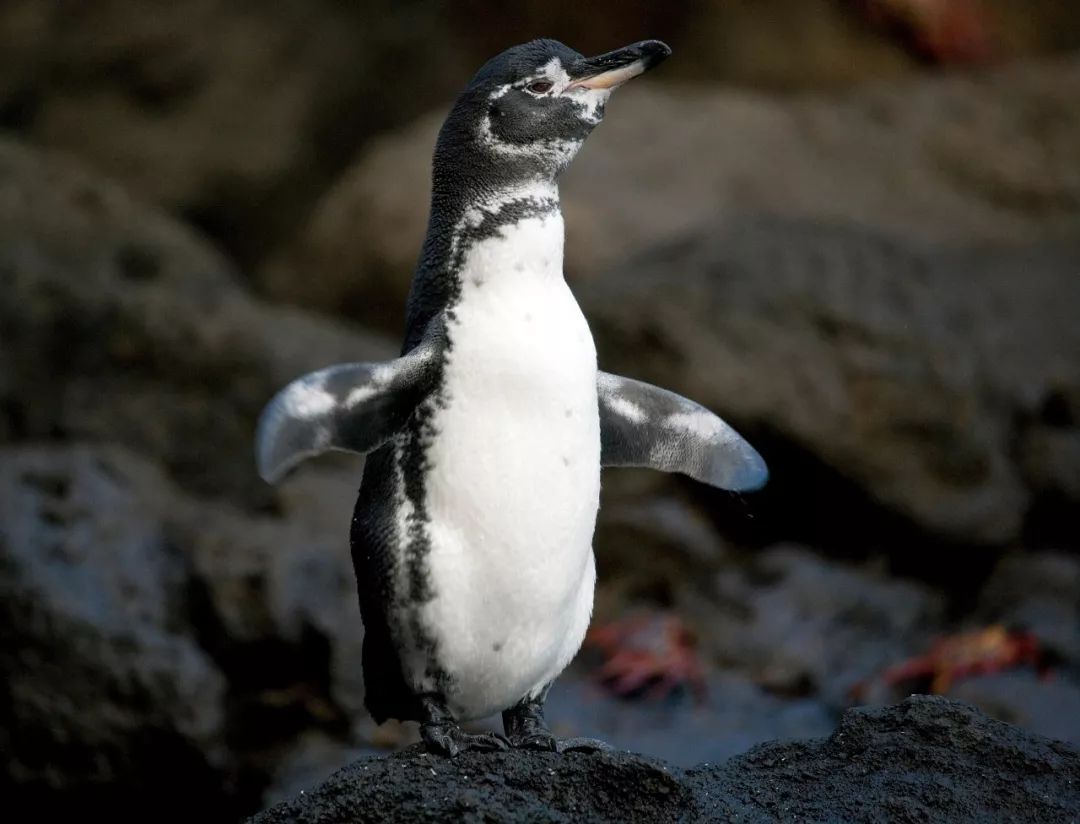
x,y
351,407
643,425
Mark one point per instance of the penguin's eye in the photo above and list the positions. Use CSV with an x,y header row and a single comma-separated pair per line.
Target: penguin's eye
x,y
540,86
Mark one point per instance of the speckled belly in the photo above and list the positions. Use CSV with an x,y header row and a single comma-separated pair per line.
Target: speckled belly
x,y
512,491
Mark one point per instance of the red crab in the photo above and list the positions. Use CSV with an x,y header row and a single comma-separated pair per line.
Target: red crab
x,y
963,655
648,654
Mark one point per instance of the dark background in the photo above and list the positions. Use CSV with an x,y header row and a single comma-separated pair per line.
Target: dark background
x,y
850,227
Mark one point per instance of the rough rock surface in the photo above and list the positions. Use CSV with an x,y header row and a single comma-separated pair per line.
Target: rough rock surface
x,y
117,324
104,683
912,370
234,115
237,114
926,759
801,625
986,156
208,632
145,630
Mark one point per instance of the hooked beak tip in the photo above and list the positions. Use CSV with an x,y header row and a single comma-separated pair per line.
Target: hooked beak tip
x,y
611,70
657,49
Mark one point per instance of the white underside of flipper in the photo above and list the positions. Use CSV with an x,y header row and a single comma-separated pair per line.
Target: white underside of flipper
x,y
513,479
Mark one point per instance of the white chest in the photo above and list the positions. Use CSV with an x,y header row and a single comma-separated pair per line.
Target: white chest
x,y
514,472
519,435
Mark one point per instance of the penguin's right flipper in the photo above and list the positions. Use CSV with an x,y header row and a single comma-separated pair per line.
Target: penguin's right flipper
x,y
644,425
351,407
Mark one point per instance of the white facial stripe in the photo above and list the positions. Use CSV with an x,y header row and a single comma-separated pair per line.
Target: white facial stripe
x,y
559,151
552,71
590,101
592,97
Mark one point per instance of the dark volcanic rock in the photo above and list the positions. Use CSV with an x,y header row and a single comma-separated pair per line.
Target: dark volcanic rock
x,y
798,623
909,368
1046,705
117,324
232,114
518,786
147,634
927,759
237,114
104,685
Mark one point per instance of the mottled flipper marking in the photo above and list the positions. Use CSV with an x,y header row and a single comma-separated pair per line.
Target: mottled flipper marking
x,y
643,425
352,407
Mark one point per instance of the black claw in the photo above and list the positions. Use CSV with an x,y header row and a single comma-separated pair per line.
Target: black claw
x,y
443,736
450,740
525,727
438,740
486,742
543,741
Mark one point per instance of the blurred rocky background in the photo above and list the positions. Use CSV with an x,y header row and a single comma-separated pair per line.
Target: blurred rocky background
x,y
851,227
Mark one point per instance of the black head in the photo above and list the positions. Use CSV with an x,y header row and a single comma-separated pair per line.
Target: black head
x,y
527,111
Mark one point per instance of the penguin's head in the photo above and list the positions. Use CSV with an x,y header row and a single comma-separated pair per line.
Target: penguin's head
x,y
528,110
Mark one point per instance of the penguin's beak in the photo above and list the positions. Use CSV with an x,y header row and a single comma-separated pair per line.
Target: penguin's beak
x,y
611,70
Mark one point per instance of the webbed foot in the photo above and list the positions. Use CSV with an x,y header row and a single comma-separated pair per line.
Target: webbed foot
x,y
543,741
450,739
525,726
442,735
526,729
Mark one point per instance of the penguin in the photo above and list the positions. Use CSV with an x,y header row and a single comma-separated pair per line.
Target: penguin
x,y
472,533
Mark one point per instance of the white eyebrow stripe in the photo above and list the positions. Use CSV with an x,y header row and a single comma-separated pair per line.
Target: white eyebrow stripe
x,y
552,70
553,66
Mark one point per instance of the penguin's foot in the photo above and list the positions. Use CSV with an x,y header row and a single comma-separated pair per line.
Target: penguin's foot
x,y
449,739
526,729
442,735
525,726
543,741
